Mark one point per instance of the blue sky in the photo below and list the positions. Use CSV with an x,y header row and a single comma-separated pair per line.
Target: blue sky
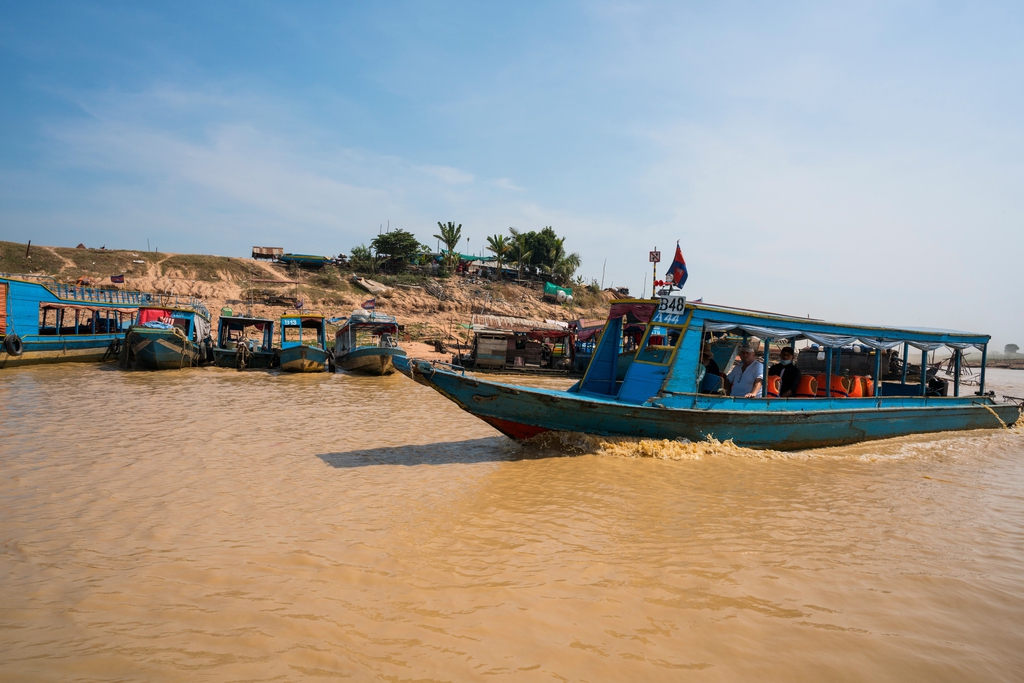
x,y
859,161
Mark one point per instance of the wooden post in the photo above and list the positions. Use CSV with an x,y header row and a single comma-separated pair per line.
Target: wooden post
x,y
981,379
956,369
924,373
828,373
906,356
764,368
29,246
878,372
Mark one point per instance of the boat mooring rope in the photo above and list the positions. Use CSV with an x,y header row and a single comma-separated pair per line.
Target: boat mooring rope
x,y
995,414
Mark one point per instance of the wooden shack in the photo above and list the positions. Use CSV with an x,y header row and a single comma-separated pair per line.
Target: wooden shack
x,y
267,253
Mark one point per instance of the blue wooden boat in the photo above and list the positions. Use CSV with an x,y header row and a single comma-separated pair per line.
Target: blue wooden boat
x,y
660,398
244,342
168,337
43,321
367,343
304,344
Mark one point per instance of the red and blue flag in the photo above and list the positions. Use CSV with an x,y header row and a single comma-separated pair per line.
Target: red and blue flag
x,y
677,271
117,279
369,304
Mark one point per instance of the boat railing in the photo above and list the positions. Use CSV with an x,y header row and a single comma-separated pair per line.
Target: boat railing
x,y
456,368
124,297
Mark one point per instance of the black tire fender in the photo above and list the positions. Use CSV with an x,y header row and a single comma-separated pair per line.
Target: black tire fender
x,y
13,345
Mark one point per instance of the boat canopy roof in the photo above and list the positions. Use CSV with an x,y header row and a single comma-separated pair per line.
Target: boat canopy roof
x,y
238,322
307,321
764,325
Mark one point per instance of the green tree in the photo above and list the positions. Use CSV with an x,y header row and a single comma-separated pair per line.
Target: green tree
x,y
450,234
397,245
541,244
500,247
520,253
561,266
362,259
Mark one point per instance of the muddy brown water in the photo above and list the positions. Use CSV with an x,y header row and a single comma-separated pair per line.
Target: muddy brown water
x,y
211,525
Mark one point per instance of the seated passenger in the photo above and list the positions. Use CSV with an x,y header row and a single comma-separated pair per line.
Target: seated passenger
x,y
712,373
788,370
745,376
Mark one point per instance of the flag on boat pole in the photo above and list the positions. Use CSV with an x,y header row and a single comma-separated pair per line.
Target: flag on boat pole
x,y
117,279
677,271
369,304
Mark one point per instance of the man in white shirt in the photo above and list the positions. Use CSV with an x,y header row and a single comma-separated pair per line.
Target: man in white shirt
x,y
746,376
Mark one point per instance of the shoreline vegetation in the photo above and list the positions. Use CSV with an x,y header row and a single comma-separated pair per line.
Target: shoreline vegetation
x,y
430,308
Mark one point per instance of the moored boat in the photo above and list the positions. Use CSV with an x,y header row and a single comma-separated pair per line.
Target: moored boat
x,y
304,344
660,394
168,337
43,321
367,343
235,347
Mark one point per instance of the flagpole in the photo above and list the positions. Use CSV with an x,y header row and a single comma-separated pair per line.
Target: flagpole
x,y
654,277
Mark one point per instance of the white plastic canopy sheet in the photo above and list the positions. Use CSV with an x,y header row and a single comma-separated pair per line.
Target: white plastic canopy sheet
x,y
832,341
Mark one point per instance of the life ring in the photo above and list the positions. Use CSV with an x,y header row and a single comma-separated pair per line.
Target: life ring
x,y
13,345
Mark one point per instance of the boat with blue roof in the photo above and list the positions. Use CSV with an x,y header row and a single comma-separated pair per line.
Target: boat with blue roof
x,y
244,342
168,336
304,344
367,342
44,321
663,394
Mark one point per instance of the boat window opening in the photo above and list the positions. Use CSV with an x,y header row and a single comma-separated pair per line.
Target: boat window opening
x,y
49,320
660,344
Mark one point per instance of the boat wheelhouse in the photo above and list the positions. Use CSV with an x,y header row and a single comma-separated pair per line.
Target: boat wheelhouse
x,y
43,321
244,342
367,343
168,337
660,396
304,344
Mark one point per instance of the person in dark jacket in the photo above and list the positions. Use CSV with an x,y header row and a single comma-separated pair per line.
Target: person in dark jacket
x,y
788,370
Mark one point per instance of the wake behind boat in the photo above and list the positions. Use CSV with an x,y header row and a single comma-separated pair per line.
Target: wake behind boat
x,y
367,343
661,395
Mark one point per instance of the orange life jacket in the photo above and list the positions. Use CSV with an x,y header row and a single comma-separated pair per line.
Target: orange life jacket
x,y
774,381
808,387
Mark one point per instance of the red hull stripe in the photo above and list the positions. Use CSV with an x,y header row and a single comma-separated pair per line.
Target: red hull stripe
x,y
515,430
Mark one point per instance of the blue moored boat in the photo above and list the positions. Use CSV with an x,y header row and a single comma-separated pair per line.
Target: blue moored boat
x,y
367,343
304,344
43,321
235,350
168,337
660,395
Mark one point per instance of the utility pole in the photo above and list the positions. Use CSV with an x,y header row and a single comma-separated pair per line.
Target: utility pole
x,y
602,274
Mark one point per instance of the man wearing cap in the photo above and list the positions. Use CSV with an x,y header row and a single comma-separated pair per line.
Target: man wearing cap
x,y
745,376
788,370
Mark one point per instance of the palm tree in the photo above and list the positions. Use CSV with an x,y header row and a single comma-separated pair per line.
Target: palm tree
x,y
450,235
520,254
563,265
500,247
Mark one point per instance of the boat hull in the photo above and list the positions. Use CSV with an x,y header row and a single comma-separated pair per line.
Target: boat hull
x,y
158,349
371,360
523,412
63,349
260,360
303,359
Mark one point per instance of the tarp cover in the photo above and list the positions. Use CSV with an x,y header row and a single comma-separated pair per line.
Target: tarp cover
x,y
637,312
832,341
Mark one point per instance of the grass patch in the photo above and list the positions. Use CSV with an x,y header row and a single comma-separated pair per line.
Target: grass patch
x,y
211,268
13,259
